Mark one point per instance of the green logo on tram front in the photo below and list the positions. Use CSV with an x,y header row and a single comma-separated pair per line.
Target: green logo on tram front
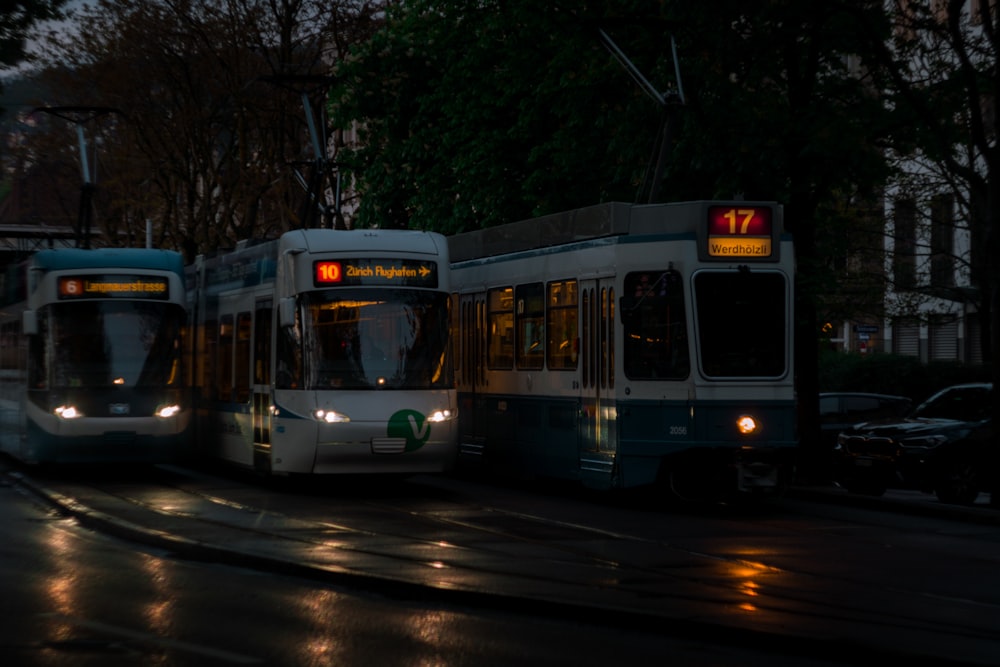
x,y
411,426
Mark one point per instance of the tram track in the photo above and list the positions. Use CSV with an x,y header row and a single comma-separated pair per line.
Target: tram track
x,y
446,542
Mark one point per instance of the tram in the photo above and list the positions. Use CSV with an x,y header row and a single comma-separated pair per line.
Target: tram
x,y
626,346
91,367
326,352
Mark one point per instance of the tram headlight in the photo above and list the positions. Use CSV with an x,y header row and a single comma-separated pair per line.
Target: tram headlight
x,y
440,415
67,412
331,417
746,424
165,411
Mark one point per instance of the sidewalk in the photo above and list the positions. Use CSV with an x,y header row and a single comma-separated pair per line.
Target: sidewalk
x,y
906,501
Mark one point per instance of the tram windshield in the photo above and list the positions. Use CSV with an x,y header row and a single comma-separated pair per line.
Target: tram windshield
x,y
742,323
375,339
97,344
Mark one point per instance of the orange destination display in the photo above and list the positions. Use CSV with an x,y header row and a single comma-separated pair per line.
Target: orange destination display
x,y
399,272
113,286
740,232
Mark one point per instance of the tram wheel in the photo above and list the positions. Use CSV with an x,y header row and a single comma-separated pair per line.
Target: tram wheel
x,y
691,481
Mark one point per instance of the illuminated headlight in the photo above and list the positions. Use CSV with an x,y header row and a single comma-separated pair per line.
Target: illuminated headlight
x,y
67,412
746,424
331,416
439,416
165,411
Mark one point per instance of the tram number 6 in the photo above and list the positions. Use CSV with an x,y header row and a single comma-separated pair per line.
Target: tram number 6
x,y
71,287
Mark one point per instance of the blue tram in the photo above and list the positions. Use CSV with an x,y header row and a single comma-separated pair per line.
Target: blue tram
x,y
627,345
91,368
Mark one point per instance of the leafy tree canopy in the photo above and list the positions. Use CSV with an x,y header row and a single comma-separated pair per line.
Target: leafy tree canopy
x,y
18,20
474,114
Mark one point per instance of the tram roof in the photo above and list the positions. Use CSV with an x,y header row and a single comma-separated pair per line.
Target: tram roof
x,y
52,259
556,229
366,240
591,222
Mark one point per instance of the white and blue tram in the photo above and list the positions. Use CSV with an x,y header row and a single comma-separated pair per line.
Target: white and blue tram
x,y
91,369
326,352
627,345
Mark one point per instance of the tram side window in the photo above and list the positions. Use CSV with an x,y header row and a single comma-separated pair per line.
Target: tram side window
x,y
11,361
224,360
530,320
655,326
500,339
289,355
207,355
242,361
561,318
262,343
38,367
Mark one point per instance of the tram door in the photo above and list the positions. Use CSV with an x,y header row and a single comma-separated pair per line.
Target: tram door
x,y
597,414
471,375
260,406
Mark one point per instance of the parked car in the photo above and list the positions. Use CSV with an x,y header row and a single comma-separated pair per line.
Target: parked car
x,y
945,446
841,410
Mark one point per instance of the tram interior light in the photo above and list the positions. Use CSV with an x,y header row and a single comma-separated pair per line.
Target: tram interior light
x,y
67,412
331,417
746,424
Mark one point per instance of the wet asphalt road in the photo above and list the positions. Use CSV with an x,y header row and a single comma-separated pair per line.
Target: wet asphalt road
x,y
507,551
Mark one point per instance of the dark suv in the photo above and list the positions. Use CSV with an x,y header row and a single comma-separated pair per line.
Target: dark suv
x,y
945,446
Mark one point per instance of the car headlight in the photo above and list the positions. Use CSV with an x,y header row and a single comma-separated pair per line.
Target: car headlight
x,y
928,441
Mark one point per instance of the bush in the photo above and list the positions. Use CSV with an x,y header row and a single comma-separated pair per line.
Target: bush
x,y
894,374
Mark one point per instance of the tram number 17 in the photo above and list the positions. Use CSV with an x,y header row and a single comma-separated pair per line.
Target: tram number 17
x,y
741,216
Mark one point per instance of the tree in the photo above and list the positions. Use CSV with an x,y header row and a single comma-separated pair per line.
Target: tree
x,y
472,114
17,22
204,141
941,66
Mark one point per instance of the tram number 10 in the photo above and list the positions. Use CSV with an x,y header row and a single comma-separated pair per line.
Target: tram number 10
x,y
328,272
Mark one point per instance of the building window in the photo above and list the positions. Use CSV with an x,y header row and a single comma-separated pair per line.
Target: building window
x,y
904,258
943,332
942,242
906,337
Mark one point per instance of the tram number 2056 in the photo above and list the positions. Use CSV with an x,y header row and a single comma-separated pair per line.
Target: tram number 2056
x,y
678,430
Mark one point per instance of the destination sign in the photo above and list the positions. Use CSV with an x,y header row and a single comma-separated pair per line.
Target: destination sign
x,y
113,287
743,232
401,272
